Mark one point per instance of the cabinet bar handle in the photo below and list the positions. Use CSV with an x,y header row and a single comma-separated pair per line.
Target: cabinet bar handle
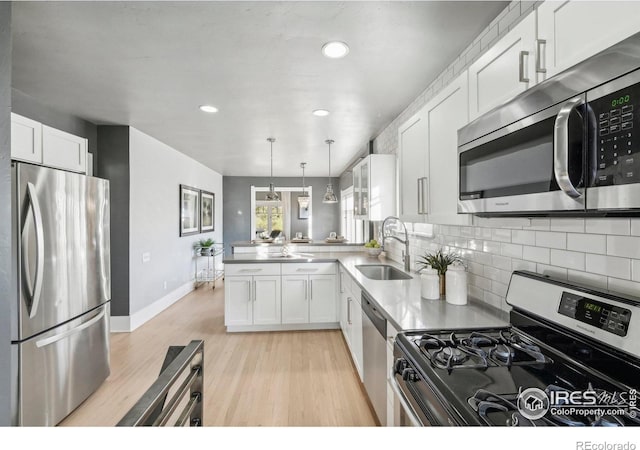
x,y
540,56
349,310
311,289
425,195
523,54
420,210
306,290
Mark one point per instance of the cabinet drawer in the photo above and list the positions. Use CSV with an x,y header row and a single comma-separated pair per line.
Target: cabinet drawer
x,y
251,269
309,269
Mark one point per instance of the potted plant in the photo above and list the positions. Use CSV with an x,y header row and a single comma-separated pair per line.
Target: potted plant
x,y
205,246
439,261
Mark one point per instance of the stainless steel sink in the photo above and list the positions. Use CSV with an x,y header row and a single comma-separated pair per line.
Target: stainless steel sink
x,y
382,272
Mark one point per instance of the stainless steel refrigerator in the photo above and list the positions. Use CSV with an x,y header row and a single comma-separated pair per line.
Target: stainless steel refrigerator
x,y
60,326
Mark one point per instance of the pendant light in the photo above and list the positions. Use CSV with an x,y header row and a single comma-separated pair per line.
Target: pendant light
x,y
304,199
329,196
272,195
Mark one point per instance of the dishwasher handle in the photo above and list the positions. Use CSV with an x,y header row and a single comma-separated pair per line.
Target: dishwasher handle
x,y
372,312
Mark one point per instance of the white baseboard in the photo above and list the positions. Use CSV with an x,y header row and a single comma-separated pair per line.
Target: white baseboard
x,y
126,324
284,327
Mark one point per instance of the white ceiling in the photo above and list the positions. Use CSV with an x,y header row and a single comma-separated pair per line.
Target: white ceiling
x,y
150,64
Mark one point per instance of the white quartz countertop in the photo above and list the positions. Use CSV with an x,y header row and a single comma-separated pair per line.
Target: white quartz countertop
x,y
399,300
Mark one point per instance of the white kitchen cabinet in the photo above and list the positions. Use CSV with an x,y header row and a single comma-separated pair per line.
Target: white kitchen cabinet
x,y
506,69
295,299
572,31
63,150
374,187
26,139
266,300
355,331
447,112
238,300
428,157
413,167
322,299
252,295
36,143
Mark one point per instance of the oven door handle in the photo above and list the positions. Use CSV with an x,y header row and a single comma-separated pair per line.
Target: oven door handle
x,y
413,418
561,148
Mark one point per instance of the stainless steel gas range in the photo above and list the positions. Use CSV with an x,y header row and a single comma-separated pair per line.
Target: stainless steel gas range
x,y
570,357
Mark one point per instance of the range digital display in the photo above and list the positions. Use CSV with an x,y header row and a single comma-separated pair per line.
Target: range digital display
x,y
613,319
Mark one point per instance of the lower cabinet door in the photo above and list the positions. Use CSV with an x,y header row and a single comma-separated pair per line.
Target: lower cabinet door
x,y
356,336
295,299
238,301
322,299
266,300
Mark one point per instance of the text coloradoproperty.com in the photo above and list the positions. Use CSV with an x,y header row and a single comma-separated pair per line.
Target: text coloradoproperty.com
x,y
591,445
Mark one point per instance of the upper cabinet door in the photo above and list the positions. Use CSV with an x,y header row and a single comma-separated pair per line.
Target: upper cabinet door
x,y
63,150
507,69
412,161
26,139
571,31
446,113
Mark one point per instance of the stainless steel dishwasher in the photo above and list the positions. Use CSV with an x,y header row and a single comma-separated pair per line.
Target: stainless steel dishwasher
x,y
374,332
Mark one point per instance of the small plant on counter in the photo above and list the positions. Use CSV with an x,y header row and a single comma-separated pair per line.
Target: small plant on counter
x,y
439,261
204,243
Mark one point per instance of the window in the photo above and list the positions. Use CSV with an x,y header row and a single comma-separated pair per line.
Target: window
x,y
269,217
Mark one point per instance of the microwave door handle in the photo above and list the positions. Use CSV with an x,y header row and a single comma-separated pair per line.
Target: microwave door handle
x,y
561,148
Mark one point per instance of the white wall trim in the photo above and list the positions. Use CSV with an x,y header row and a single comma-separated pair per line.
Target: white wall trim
x,y
125,324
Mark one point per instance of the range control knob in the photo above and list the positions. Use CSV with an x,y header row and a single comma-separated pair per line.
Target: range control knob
x,y
400,365
409,374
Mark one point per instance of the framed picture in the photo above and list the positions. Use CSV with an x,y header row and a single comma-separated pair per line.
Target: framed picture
x,y
189,210
207,208
303,212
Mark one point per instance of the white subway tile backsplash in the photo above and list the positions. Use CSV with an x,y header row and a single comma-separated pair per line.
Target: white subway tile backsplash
x,y
483,258
523,237
478,281
492,299
491,247
501,235
454,230
587,279
551,239
518,264
635,227
468,232
571,260
475,292
499,288
512,250
501,262
608,226
483,233
588,243
635,270
475,244
611,266
537,254
539,224
572,224
623,246
492,273
556,272
475,268
624,287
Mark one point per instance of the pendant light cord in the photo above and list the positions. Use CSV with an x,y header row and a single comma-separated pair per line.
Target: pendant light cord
x,y
329,141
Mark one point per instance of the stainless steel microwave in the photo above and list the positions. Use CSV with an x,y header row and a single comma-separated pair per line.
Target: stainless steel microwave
x,y
570,145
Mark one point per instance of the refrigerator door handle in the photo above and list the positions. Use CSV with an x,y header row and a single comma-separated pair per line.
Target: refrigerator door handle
x,y
58,337
35,289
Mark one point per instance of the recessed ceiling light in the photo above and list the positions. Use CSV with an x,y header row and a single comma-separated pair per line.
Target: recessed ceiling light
x,y
208,108
320,112
335,49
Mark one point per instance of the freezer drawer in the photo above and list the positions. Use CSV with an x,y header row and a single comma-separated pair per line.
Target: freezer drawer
x,y
59,369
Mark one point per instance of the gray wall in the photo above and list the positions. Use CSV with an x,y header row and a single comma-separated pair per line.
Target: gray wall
x,y
28,106
113,145
7,290
237,206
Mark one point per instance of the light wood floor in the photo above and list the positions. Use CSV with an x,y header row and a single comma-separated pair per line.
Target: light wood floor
x,y
251,379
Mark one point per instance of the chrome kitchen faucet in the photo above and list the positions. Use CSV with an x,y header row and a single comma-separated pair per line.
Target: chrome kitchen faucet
x,y
405,254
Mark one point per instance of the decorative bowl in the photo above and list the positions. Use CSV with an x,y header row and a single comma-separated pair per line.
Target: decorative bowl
x,y
373,252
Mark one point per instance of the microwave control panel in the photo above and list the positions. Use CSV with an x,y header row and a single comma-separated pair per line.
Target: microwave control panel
x,y
617,143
